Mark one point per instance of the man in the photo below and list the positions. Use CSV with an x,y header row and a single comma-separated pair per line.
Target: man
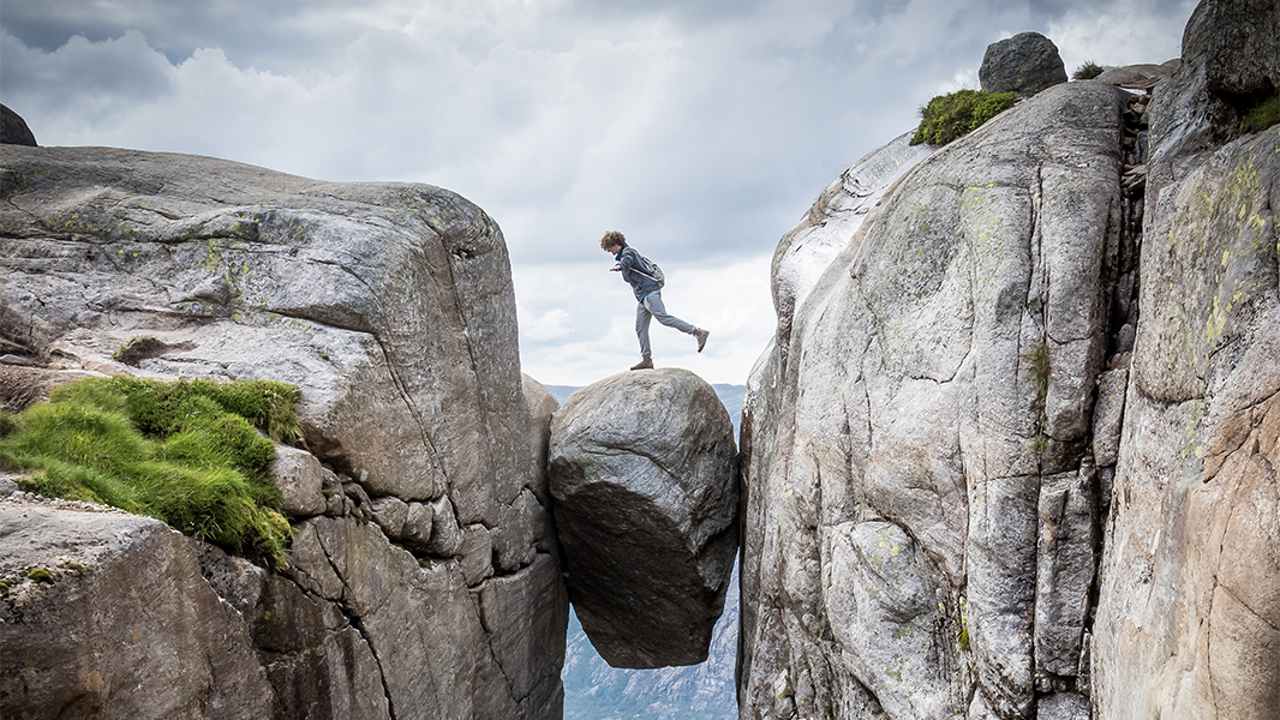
x,y
649,294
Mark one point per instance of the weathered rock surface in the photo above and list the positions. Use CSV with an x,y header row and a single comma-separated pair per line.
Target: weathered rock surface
x,y
993,341
919,526
1138,77
391,306
13,129
272,275
833,221
104,614
644,474
1189,612
301,479
1025,63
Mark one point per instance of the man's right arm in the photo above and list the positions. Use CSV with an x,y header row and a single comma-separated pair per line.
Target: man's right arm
x,y
629,259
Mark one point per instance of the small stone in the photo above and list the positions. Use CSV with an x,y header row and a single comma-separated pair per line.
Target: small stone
x,y
446,536
477,554
390,513
300,477
11,359
1063,706
418,525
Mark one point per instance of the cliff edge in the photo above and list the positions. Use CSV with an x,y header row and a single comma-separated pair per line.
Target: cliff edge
x,y
424,579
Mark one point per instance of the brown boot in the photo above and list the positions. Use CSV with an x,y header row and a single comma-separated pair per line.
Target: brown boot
x,y
646,363
702,338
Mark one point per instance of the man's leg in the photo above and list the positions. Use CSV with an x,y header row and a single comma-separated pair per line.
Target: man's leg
x,y
653,302
642,328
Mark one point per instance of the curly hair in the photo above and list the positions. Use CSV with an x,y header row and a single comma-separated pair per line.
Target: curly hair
x,y
611,239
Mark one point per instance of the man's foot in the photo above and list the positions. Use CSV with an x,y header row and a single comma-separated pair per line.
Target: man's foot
x,y
702,338
646,363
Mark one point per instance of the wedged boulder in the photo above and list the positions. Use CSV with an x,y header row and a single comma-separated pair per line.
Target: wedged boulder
x,y
106,615
644,474
1025,63
301,479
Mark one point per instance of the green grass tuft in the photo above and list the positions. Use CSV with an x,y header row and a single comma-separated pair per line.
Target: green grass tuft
x,y
269,405
40,574
187,453
8,425
948,117
1262,116
1087,71
1038,365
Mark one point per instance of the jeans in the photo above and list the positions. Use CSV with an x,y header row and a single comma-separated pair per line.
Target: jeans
x,y
652,307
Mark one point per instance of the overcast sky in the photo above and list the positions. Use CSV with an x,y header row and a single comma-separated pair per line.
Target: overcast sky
x,y
702,129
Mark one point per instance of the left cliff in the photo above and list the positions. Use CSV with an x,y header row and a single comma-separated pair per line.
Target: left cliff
x,y
424,582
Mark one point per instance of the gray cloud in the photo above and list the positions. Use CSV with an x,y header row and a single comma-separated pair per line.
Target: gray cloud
x,y
124,69
280,35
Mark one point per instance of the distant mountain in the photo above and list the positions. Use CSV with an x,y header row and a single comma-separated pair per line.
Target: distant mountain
x,y
562,392
595,691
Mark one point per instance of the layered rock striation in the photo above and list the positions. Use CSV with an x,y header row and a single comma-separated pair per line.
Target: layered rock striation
x,y
424,580
644,473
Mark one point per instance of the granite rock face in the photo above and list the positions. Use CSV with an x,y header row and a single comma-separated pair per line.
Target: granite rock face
x,y
832,223
1189,610
104,614
391,306
1025,63
1015,456
920,521
644,474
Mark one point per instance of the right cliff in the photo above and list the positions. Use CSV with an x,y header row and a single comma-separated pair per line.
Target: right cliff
x,y
1188,623
1012,454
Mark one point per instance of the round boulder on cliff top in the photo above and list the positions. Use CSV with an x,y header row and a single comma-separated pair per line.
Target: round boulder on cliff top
x,y
1025,63
13,129
644,472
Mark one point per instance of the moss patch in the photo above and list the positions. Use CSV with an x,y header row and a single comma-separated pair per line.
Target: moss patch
x,y
1038,366
1087,71
948,117
1262,116
40,574
187,453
